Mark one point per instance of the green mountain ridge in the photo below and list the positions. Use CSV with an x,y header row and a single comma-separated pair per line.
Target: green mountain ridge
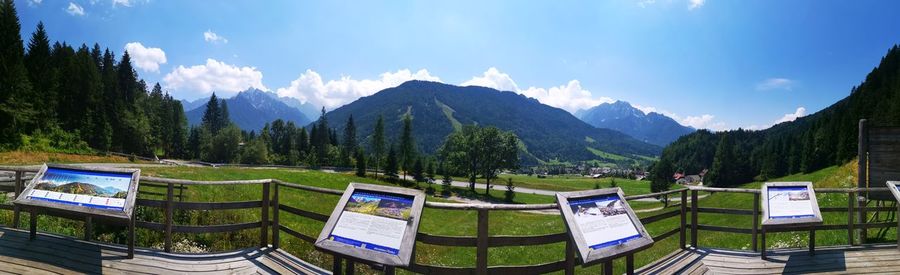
x,y
437,109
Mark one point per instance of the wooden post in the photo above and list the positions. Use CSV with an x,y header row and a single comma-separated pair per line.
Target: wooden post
x,y
336,264
862,178
17,188
754,231
481,253
812,241
570,257
170,209
350,269
850,233
694,219
608,268
389,270
683,231
32,228
264,229
276,225
629,264
863,219
88,228
131,238
898,225
762,247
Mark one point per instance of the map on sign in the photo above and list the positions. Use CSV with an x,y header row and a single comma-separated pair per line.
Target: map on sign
x,y
374,221
93,189
603,221
790,202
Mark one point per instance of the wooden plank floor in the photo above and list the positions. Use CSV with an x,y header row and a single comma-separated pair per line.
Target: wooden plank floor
x,y
871,259
50,254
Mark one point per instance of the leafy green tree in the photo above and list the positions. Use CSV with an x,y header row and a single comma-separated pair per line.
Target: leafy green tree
x,y
225,146
255,152
481,151
429,171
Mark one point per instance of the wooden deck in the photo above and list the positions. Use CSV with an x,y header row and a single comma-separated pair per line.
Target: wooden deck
x,y
873,259
50,254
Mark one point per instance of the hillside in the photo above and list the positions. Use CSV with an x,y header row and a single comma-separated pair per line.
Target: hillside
x,y
252,109
653,128
547,132
826,138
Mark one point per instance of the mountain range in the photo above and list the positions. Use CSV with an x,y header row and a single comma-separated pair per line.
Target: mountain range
x,y
251,110
437,109
653,128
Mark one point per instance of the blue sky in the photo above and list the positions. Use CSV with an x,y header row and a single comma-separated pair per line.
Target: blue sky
x,y
710,64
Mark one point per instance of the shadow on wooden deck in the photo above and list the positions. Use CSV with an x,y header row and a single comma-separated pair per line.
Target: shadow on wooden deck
x,y
50,254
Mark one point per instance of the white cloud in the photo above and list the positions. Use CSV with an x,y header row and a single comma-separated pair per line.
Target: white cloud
x,y
801,111
645,3
493,78
310,87
126,3
34,2
693,4
214,76
214,38
570,96
775,84
75,9
147,59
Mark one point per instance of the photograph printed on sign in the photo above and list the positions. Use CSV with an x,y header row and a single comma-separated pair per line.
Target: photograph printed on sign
x,y
373,221
102,190
789,202
603,221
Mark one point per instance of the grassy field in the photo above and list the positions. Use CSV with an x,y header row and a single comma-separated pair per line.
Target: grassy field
x,y
573,183
450,222
28,158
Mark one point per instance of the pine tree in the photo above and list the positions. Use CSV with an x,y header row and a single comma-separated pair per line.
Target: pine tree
x,y
360,162
348,146
16,111
211,115
378,143
407,146
390,168
418,171
43,75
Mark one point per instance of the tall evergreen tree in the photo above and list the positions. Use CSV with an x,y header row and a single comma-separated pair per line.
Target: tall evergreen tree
x,y
360,162
378,144
348,146
17,114
391,167
211,119
43,75
407,146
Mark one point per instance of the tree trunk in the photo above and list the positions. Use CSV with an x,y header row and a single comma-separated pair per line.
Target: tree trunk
x,y
487,186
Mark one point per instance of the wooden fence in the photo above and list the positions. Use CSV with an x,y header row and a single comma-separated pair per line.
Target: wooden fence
x,y
482,241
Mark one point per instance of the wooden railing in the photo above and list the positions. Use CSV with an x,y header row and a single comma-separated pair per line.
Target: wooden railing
x,y
481,241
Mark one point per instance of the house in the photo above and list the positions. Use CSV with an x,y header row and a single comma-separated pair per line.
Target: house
x,y
690,180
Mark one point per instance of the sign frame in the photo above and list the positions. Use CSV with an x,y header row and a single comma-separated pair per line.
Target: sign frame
x,y
892,185
769,222
130,198
587,255
407,244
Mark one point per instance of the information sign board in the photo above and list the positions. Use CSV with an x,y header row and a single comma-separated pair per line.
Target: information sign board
x,y
374,223
790,204
602,224
105,192
894,186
